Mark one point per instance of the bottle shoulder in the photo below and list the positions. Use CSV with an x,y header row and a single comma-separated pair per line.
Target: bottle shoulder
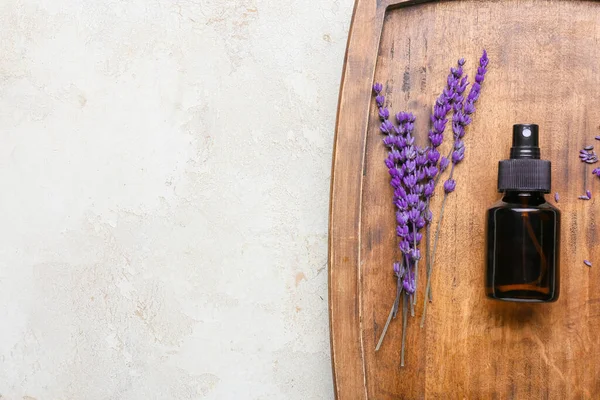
x,y
524,206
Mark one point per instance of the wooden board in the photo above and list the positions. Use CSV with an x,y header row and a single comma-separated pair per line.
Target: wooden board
x,y
544,69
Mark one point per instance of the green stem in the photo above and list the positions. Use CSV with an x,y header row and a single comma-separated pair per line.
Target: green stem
x,y
435,242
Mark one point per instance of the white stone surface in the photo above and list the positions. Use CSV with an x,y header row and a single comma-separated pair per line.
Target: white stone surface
x,y
165,170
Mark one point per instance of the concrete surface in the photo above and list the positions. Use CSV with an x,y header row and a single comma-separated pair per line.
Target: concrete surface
x,y
165,169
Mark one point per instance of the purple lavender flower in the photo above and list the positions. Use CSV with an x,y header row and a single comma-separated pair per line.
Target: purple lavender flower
x,y
384,113
387,127
596,172
444,164
588,263
397,269
449,185
588,194
413,170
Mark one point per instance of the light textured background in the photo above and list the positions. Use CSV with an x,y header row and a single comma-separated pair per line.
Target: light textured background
x,y
165,169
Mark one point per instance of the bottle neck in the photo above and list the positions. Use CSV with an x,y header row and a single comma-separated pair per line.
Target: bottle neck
x,y
525,198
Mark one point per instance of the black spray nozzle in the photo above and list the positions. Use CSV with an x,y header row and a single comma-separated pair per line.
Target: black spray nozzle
x,y
526,142
525,172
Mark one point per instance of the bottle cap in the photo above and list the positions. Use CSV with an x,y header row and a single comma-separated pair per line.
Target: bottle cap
x,y
524,171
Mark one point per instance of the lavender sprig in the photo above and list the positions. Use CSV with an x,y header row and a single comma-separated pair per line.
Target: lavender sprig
x,y
407,165
461,119
450,95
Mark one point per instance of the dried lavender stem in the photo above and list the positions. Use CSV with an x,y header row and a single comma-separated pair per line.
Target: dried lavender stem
x,y
428,252
416,270
435,242
404,321
385,328
393,312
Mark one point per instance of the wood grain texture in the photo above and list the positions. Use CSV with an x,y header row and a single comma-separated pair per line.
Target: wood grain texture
x,y
544,69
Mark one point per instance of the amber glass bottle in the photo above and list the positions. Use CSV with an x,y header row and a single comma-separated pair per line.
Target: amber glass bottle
x,y
523,230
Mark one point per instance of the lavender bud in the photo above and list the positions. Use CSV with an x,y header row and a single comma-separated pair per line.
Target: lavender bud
x,y
390,163
428,216
410,181
377,87
400,192
413,215
588,194
429,189
420,224
440,125
387,127
412,199
433,156
449,185
415,255
402,231
404,246
436,140
421,160
380,100
401,204
431,172
556,197
397,268
469,107
588,263
402,218
384,113
389,141
421,174
461,62
444,162
458,155
402,117
596,172
408,284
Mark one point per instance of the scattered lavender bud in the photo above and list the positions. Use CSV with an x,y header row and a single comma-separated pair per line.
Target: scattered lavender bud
x,y
588,263
588,194
596,172
583,198
556,197
588,148
597,138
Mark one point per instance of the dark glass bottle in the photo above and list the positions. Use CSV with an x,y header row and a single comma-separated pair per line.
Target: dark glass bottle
x,y
523,230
